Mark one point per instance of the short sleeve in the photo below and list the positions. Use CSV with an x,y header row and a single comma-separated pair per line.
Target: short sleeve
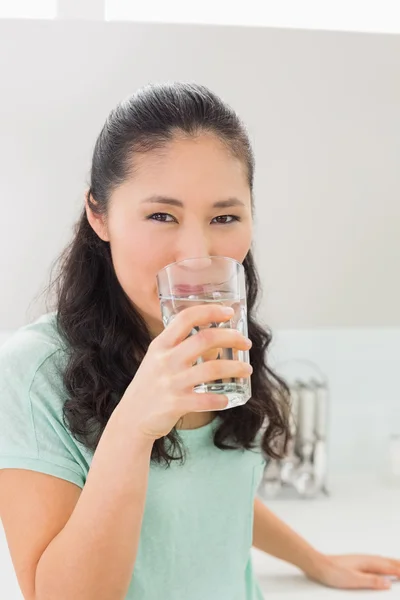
x,y
32,433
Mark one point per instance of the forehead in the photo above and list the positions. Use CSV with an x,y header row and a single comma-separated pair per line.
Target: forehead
x,y
202,160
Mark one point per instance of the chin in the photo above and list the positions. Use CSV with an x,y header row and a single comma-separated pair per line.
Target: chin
x,y
153,321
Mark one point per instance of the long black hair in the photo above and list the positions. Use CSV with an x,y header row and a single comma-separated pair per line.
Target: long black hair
x,y
105,336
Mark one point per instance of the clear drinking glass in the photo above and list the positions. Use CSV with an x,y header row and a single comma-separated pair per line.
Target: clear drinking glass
x,y
216,280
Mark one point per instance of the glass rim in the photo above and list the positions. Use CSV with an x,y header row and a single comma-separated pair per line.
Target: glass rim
x,y
213,257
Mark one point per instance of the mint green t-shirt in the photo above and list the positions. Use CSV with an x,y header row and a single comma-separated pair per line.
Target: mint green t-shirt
x,y
196,533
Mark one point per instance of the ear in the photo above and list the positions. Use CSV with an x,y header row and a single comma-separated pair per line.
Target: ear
x,y
97,222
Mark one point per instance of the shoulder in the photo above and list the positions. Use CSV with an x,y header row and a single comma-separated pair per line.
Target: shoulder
x,y
31,371
33,434
28,350
40,337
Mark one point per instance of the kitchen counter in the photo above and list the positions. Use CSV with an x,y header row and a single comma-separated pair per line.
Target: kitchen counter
x,y
359,516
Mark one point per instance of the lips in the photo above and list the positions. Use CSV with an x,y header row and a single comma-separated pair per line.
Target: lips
x,y
188,289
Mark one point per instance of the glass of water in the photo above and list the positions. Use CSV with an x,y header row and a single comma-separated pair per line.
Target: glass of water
x,y
216,280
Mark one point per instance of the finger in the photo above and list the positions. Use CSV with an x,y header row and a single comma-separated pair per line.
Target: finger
x,y
212,370
396,566
205,341
213,354
380,565
394,561
205,402
189,318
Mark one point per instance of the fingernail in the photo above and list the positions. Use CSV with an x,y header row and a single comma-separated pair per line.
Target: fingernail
x,y
227,310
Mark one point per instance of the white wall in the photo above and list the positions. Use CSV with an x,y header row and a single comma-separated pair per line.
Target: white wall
x,y
322,110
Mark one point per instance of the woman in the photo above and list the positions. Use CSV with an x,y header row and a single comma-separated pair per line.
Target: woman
x,y
117,480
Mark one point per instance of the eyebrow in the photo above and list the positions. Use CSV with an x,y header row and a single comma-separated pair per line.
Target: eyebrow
x,y
229,202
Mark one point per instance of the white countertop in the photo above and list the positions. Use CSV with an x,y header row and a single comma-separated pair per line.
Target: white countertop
x,y
359,516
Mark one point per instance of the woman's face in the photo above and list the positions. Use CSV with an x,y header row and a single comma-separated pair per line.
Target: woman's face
x,y
192,199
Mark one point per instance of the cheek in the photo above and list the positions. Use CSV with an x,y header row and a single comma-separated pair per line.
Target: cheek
x,y
134,259
132,248
243,246
236,245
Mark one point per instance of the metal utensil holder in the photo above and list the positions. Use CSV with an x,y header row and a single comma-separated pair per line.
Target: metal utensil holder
x,y
303,471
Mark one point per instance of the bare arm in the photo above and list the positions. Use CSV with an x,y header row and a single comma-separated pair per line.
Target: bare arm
x,y
71,543
273,536
94,554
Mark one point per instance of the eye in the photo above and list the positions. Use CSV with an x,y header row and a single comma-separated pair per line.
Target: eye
x,y
161,217
226,219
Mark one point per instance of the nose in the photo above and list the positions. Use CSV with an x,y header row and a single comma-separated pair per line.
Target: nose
x,y
194,243
196,265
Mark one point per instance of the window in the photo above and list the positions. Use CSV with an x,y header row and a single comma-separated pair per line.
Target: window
x,y
28,9
381,16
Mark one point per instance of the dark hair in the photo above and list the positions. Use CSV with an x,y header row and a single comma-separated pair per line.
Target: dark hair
x,y
105,336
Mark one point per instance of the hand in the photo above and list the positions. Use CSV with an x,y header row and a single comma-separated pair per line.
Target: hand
x,y
162,390
356,571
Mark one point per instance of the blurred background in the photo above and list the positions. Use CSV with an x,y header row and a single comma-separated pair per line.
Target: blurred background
x,y
321,103
322,112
